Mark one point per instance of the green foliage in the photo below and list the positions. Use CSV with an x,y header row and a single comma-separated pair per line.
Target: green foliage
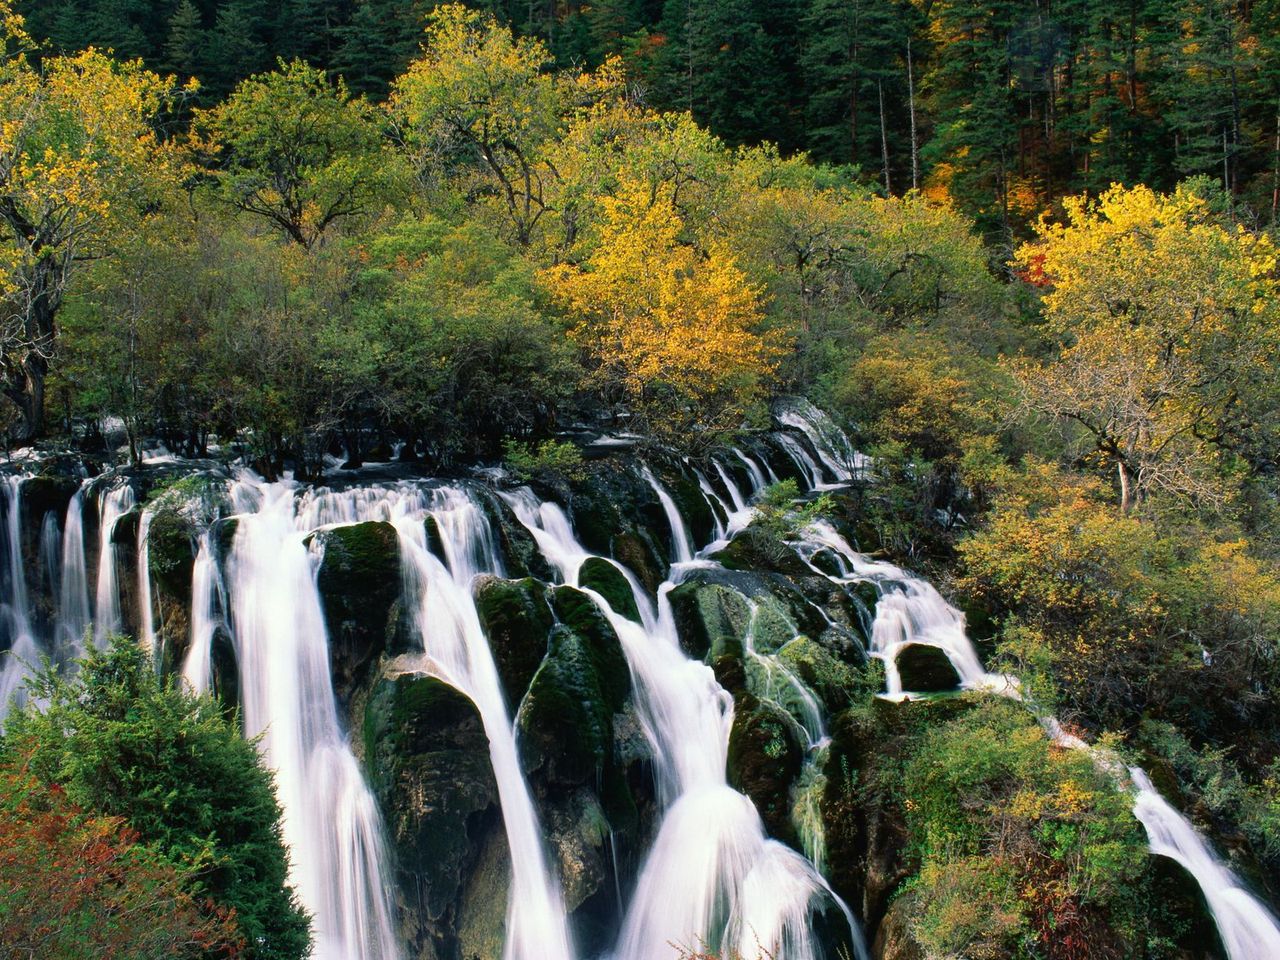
x,y
781,514
121,744
560,459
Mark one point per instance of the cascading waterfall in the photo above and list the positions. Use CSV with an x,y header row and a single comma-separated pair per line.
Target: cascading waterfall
x,y
23,651
331,821
829,441
146,614
910,610
112,505
456,649
712,875
207,606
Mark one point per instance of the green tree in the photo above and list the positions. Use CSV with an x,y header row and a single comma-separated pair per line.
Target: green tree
x,y
122,744
298,151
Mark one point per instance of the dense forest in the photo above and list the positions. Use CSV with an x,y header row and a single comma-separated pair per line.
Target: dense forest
x,y
1003,107
1023,253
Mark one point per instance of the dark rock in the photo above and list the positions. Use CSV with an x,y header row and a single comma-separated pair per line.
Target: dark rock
x,y
894,940
517,620
711,619
359,582
637,555
926,669
765,757
428,760
605,579
756,551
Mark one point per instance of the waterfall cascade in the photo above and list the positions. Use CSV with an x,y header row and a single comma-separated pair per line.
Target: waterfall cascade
x,y
712,875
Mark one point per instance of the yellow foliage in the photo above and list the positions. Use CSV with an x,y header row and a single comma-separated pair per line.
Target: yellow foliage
x,y
674,327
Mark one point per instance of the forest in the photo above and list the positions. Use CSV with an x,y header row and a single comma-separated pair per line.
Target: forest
x,y
1023,254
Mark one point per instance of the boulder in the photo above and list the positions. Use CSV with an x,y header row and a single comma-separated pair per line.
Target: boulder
x,y
765,757
926,669
359,584
517,619
605,579
427,758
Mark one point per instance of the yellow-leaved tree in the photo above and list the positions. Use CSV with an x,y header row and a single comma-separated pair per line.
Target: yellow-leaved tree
x,y
80,163
673,329
1165,319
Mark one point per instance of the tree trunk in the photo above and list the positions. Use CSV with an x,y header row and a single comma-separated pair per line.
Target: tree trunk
x,y
911,102
1126,487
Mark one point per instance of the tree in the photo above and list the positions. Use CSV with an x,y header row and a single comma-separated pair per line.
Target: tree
x,y
479,96
80,887
298,151
674,329
80,164
121,744
1166,330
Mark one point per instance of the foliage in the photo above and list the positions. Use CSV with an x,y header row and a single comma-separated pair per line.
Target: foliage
x,y
780,513
77,886
121,744
555,458
672,328
298,151
1021,845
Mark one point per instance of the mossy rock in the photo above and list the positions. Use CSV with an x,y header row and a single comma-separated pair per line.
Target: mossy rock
x,y
756,551
517,620
765,757
223,535
359,582
835,682
694,509
171,551
711,619
482,912
638,555
605,579
45,493
520,551
566,718
926,669
428,761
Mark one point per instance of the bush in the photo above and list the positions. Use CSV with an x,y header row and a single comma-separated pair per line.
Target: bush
x,y
121,744
555,459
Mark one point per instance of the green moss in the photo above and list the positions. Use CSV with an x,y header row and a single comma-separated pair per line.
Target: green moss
x,y
765,757
711,619
758,551
605,579
517,620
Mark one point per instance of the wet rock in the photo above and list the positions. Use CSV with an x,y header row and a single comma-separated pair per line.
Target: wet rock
x,y
605,579
427,758
637,555
566,719
894,940
517,619
359,582
757,551
765,757
482,912
926,669
711,619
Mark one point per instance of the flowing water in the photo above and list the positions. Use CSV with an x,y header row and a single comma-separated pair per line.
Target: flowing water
x,y
113,504
23,653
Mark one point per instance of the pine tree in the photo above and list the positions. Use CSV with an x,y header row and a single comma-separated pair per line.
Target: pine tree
x,y
185,43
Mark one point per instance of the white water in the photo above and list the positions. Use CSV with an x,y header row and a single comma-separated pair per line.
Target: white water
x,y
74,615
146,614
455,649
112,505
23,653
712,876
682,542
207,604
829,442
1248,929
331,821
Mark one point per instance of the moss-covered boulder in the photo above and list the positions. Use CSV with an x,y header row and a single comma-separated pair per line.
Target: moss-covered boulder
x,y
833,680
711,619
926,669
765,757
566,720
359,583
427,758
171,550
517,619
638,555
605,579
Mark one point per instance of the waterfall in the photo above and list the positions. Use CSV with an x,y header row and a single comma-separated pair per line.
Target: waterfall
x,y
912,611
331,821
112,505
455,648
712,874
1247,928
73,588
207,604
22,652
804,463
829,441
146,615
682,542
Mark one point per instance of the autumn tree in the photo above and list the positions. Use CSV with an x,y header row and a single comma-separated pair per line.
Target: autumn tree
x,y
1165,325
80,164
671,328
479,98
298,151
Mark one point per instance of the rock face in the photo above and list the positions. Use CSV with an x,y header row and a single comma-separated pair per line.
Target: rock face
x,y
427,758
359,582
517,619
765,756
